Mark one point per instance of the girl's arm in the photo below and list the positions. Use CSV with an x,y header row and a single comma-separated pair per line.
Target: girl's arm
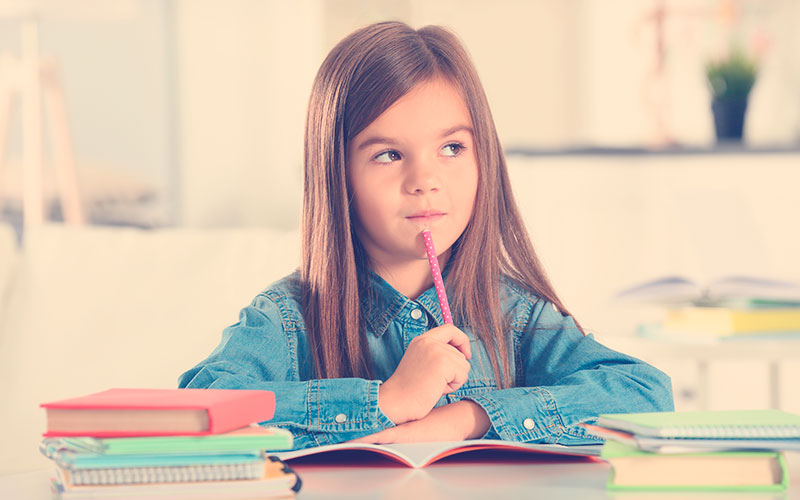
x,y
261,351
569,378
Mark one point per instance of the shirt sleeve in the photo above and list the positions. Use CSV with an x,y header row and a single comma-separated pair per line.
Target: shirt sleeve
x,y
259,353
569,378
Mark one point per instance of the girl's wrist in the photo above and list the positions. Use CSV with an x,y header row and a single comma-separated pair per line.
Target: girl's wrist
x,y
476,420
387,406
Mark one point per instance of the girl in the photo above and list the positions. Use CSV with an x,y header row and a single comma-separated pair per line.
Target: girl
x,y
399,138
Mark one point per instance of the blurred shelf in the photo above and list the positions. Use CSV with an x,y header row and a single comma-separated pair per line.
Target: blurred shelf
x,y
718,149
771,348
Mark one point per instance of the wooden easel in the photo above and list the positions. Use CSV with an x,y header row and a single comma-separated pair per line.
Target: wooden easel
x,y
37,82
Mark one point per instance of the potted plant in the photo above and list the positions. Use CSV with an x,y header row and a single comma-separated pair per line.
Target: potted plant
x,y
730,81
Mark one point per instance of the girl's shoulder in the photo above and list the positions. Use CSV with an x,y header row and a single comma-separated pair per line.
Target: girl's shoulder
x,y
526,308
288,286
515,291
519,302
284,295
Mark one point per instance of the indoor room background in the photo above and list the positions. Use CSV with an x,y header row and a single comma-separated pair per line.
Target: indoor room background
x,y
183,123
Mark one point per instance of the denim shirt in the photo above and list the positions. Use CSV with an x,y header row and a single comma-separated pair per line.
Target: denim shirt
x,y
562,377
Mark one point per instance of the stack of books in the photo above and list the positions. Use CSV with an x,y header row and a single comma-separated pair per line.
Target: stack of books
x,y
698,451
734,307
189,443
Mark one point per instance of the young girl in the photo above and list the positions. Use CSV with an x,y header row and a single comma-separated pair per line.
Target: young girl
x,y
399,138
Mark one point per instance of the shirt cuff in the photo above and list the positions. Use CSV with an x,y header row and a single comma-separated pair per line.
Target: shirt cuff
x,y
345,405
530,414
523,414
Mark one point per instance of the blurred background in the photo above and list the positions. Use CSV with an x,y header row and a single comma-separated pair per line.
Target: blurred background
x,y
150,169
190,113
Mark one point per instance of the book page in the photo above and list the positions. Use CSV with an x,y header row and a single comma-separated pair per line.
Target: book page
x,y
669,289
754,287
422,454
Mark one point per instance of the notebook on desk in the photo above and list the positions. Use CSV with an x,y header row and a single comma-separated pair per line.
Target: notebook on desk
x,y
730,424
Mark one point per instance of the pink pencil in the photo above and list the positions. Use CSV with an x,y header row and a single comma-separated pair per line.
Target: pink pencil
x,y
437,276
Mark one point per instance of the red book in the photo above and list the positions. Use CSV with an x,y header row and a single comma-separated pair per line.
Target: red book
x,y
158,412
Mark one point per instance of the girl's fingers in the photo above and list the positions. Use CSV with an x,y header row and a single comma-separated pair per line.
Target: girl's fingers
x,y
453,336
460,371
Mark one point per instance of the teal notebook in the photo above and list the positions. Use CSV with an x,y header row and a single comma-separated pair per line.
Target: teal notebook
x,y
733,424
71,460
633,469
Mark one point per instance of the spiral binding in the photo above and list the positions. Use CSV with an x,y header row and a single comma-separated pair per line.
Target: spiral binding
x,y
168,474
732,432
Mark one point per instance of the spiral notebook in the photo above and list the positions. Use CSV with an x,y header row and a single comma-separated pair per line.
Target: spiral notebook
x,y
88,468
273,479
730,424
173,474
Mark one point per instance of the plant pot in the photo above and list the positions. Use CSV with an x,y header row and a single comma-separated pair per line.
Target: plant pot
x,y
729,117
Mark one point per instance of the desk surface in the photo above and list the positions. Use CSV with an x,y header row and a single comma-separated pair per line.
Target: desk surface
x,y
465,478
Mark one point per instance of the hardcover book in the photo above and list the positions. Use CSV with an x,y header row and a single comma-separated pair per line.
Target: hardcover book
x,y
153,412
633,469
720,321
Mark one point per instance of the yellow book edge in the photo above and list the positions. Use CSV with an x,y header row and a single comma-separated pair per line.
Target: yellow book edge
x,y
780,486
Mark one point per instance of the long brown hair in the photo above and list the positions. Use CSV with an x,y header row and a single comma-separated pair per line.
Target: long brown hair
x,y
361,77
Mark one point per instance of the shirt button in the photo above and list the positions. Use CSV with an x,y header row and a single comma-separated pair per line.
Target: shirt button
x,y
341,418
529,423
416,313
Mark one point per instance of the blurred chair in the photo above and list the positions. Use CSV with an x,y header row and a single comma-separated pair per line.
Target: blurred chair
x,y
36,80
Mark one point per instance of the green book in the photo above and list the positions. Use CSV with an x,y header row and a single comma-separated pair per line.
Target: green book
x,y
733,424
636,470
246,439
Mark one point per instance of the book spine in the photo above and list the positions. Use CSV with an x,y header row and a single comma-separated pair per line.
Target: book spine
x,y
255,407
172,474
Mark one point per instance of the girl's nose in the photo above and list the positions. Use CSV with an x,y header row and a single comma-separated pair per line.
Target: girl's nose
x,y
421,178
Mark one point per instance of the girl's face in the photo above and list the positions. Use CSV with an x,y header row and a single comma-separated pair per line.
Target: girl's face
x,y
412,168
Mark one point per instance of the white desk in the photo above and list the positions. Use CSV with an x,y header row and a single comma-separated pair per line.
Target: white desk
x,y
458,479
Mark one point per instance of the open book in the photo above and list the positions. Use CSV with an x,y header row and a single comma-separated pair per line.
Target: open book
x,y
728,290
419,455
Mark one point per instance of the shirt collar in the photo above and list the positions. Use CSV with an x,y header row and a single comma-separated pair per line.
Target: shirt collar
x,y
383,304
386,303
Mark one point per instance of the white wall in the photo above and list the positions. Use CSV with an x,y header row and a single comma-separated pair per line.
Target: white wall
x,y
245,70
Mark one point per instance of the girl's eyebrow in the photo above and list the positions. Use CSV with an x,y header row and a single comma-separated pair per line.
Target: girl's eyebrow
x,y
457,128
376,140
392,142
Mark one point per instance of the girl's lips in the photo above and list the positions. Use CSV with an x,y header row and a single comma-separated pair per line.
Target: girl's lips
x,y
425,218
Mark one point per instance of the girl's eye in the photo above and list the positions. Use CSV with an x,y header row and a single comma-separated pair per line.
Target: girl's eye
x,y
453,149
387,157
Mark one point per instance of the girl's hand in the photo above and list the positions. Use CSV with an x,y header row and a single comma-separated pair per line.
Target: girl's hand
x,y
434,364
463,419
